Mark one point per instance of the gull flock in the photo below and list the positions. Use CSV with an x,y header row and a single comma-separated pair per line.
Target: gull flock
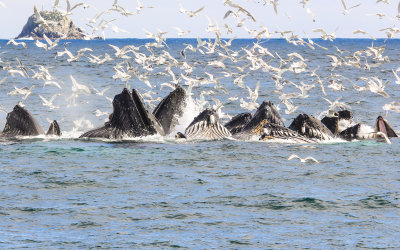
x,y
220,62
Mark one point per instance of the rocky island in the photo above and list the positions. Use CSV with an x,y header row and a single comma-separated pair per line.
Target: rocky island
x,y
53,24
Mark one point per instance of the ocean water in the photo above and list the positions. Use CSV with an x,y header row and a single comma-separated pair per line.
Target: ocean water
x,y
157,192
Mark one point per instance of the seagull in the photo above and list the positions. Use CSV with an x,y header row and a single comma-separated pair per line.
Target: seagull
x,y
140,7
309,158
180,31
98,112
49,103
13,42
397,76
120,53
51,43
374,84
39,18
39,44
393,106
22,91
69,9
346,10
311,13
383,1
253,95
241,9
188,12
325,35
73,58
52,83
79,88
290,107
101,93
337,104
384,136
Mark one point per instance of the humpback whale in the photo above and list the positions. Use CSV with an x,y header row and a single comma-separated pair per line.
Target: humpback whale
x,y
170,109
272,131
20,122
237,123
130,118
266,113
205,126
54,129
334,119
382,127
308,126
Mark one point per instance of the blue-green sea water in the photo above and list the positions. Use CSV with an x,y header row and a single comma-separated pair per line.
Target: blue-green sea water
x,y
162,193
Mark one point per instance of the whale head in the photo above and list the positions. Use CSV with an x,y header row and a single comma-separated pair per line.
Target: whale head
x,y
21,123
206,126
309,126
381,125
130,118
170,109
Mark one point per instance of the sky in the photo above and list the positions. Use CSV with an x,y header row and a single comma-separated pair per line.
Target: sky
x,y
165,15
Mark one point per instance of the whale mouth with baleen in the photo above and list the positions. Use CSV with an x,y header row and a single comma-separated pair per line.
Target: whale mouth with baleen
x,y
205,126
308,126
383,126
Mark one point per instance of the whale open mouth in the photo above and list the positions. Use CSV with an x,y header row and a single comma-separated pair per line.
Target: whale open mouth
x,y
21,123
383,126
206,126
130,118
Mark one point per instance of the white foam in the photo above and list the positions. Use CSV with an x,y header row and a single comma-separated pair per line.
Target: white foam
x,y
344,124
192,109
366,132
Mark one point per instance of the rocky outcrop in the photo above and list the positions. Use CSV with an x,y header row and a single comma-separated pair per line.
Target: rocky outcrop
x,y
53,24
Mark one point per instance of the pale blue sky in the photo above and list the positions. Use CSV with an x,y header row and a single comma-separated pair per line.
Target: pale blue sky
x,y
166,15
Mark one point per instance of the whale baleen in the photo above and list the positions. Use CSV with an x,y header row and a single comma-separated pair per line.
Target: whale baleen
x,y
205,126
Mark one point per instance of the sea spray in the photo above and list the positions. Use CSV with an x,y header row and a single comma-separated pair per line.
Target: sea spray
x,y
192,109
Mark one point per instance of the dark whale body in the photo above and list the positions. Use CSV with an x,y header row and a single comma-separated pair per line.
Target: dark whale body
x,y
54,129
238,122
266,113
308,126
21,123
381,125
130,118
332,121
170,109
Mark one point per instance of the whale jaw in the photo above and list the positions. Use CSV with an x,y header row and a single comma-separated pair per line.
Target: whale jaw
x,y
383,126
309,126
170,109
266,111
206,126
54,129
272,131
238,122
21,123
130,118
